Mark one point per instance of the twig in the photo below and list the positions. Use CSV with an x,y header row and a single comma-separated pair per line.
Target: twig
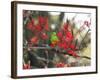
x,y
83,39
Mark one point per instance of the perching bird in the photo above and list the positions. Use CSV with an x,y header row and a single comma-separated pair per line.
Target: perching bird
x,y
54,39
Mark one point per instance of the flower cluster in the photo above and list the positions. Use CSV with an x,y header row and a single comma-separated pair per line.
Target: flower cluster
x,y
63,38
53,41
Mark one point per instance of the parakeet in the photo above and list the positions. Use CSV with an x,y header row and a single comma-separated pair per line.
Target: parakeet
x,y
54,38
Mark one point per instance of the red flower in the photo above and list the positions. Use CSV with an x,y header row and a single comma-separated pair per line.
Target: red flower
x,y
38,27
69,36
60,65
34,40
63,45
72,53
32,21
44,36
30,25
65,27
60,35
26,66
46,27
72,46
42,20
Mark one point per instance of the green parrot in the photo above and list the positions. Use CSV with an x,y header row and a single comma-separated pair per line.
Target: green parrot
x,y
54,38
